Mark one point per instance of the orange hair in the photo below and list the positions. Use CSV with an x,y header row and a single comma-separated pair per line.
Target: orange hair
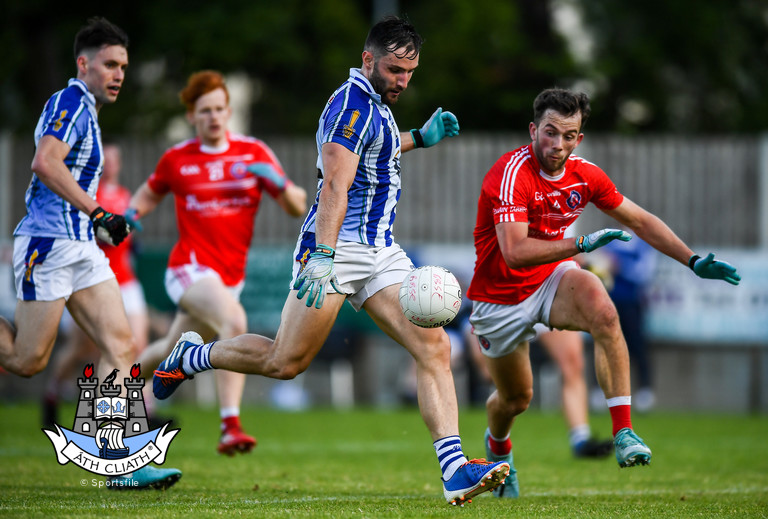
x,y
199,84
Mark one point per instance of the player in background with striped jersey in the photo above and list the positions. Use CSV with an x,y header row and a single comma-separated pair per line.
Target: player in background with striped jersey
x,y
346,252
524,274
56,260
217,179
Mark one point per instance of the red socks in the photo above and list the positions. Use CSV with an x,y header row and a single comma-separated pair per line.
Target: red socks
x,y
500,448
621,417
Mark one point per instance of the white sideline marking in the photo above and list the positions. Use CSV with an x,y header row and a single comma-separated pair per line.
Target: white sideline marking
x,y
587,493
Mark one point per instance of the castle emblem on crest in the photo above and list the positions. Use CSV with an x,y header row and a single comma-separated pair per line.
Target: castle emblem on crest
x,y
111,435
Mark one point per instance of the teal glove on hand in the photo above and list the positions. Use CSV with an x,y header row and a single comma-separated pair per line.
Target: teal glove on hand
x,y
132,219
710,268
440,125
316,275
595,240
267,172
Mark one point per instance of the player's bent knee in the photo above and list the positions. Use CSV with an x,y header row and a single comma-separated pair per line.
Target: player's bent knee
x,y
518,403
436,353
29,368
287,371
605,320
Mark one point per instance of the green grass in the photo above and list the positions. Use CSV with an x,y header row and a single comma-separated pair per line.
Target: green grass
x,y
372,463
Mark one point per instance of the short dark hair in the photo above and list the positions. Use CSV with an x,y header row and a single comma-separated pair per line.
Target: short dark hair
x,y
563,102
97,33
392,33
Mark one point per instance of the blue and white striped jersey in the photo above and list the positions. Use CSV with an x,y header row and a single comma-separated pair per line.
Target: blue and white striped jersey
x,y
70,116
356,118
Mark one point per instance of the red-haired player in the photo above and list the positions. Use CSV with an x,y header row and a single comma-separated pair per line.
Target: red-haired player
x,y
217,179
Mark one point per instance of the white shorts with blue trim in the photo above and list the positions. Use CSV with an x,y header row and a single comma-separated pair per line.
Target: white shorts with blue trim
x,y
47,269
500,328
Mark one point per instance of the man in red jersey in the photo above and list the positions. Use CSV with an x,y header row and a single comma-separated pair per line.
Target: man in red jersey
x,y
524,274
217,179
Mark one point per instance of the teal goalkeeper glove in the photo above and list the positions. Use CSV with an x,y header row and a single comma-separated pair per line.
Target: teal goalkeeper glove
x,y
440,125
132,219
316,275
595,240
267,172
710,268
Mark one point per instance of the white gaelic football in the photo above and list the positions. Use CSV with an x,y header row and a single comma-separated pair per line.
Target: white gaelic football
x,y
430,296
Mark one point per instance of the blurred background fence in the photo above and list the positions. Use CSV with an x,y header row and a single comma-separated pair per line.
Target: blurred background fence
x,y
711,190
710,340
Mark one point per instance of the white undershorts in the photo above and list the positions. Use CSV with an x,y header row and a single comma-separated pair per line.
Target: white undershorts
x,y
133,297
362,270
179,279
47,269
500,328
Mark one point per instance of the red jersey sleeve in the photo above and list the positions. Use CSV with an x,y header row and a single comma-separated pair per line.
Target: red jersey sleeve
x,y
158,181
605,195
508,188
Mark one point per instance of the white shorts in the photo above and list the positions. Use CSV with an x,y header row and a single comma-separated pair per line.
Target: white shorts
x,y
500,328
133,297
47,269
362,269
179,279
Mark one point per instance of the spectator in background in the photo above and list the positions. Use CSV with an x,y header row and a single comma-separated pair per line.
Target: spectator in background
x,y
633,265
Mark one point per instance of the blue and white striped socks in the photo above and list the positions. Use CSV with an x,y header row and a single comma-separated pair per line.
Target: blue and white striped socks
x,y
197,359
449,455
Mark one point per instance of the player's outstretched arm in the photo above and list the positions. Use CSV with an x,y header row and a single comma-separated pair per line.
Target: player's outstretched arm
x,y
267,172
292,199
657,234
439,126
710,268
143,202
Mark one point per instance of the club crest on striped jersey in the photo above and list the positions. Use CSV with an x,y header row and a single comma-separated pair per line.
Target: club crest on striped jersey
x,y
349,129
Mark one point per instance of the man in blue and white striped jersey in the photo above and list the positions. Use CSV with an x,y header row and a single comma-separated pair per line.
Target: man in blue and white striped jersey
x,y
346,252
55,258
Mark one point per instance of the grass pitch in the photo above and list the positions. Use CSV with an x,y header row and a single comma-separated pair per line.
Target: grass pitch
x,y
373,463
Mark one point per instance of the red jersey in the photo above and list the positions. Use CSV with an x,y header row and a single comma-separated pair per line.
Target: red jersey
x,y
115,199
216,201
516,190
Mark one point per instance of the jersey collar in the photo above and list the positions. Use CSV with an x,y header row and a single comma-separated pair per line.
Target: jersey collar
x,y
542,173
356,76
214,150
79,83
